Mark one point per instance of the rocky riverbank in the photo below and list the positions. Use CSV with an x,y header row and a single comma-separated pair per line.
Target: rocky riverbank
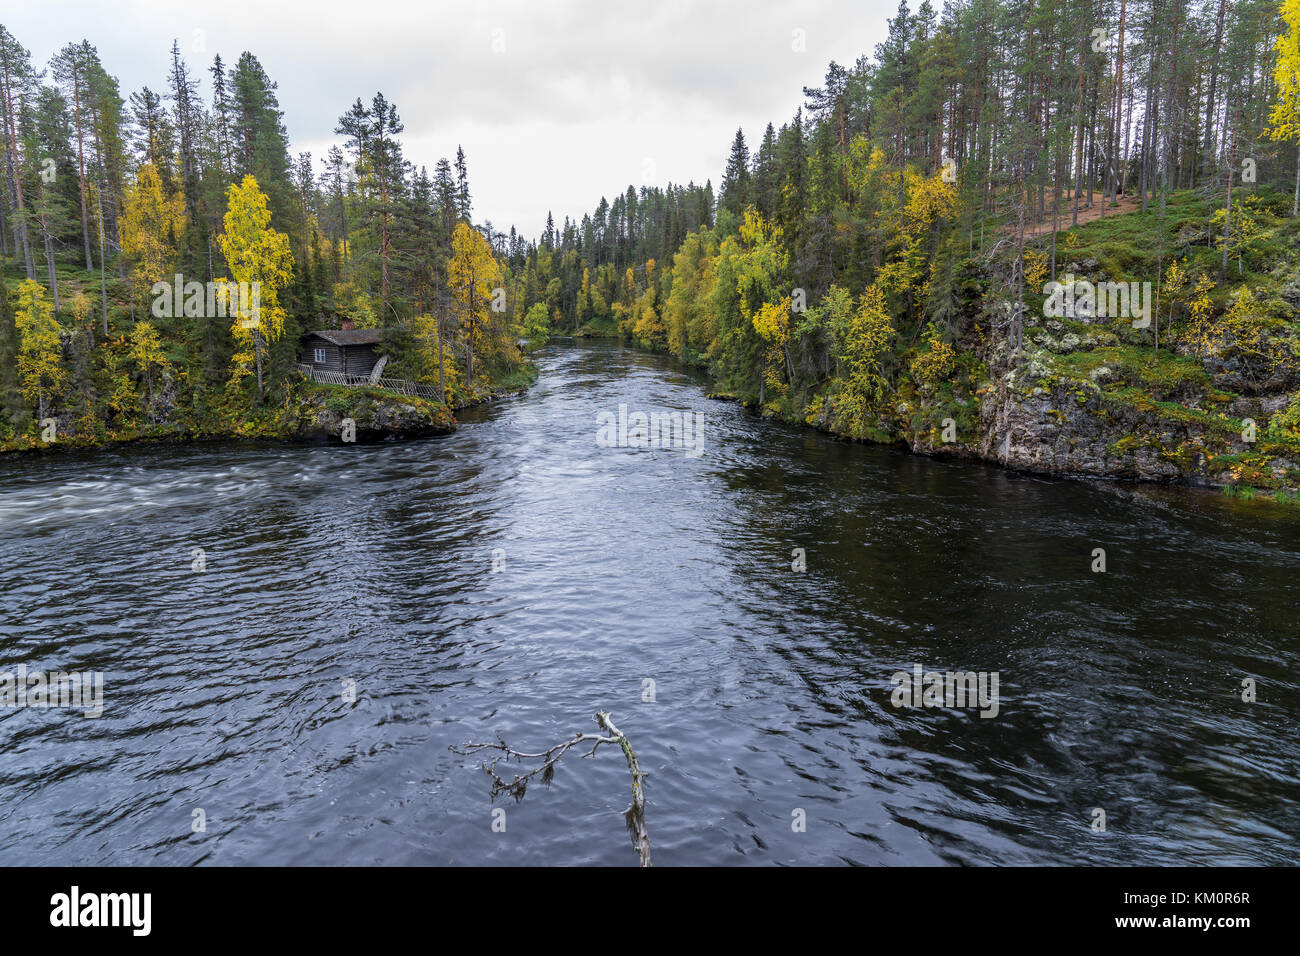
x,y
310,412
318,415
1096,399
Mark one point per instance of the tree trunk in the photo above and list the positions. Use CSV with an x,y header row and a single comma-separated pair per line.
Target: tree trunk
x,y
257,344
1295,200
15,170
81,168
103,279
1227,219
1078,123
49,261
1214,82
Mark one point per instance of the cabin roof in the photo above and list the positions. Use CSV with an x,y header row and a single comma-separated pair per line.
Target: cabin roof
x,y
347,336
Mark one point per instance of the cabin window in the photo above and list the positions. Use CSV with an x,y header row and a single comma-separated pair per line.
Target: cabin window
x,y
320,356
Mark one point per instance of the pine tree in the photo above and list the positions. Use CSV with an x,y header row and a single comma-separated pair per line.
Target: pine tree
x,y
17,81
462,186
733,195
71,67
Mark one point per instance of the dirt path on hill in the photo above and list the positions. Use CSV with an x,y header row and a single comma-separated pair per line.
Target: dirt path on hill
x,y
1086,214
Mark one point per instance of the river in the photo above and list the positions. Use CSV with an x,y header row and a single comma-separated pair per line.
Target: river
x,y
226,690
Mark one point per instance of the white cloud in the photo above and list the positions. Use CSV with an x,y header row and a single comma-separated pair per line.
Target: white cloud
x,y
582,94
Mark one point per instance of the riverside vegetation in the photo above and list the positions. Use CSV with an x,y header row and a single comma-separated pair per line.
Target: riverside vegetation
x,y
877,267
102,202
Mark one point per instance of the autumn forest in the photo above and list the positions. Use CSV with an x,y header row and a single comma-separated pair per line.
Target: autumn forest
x,y
873,265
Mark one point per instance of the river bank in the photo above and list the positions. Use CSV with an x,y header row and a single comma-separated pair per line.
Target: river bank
x,y
310,413
1083,398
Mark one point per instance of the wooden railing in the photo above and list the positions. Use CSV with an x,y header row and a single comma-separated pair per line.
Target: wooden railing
x,y
401,386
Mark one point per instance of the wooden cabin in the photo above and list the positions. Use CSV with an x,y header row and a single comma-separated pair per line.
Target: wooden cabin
x,y
347,351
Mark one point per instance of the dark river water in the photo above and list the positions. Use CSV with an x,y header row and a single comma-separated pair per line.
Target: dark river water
x,y
224,689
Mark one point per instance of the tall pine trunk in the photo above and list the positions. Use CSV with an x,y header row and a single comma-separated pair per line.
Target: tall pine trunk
x,y
81,169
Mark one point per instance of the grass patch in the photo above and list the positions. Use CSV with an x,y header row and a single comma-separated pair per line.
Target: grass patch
x,y
1160,372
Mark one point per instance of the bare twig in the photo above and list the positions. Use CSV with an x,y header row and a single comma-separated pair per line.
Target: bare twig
x,y
635,813
634,816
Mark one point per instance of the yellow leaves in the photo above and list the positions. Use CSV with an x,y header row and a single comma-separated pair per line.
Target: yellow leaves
x,y
40,347
1200,303
121,397
627,289
429,340
1245,329
1243,229
772,322
865,164
1285,115
870,328
934,365
928,201
259,257
867,341
758,259
149,229
1176,278
146,348
81,307
756,230
899,276
1201,332
1035,264
262,265
474,276
688,311
147,354
1245,320
354,303
647,325
1286,423
1174,284
472,270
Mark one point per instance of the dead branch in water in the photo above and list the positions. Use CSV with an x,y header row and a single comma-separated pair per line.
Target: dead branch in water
x,y
634,816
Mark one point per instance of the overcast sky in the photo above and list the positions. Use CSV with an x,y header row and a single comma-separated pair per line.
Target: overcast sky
x,y
556,102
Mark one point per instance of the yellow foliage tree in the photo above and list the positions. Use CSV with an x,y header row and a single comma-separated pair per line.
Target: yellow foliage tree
x,y
935,364
1201,330
690,321
473,274
648,326
1285,115
81,307
925,203
772,323
866,342
147,354
353,302
40,347
149,230
1036,266
1242,233
261,262
1244,328
436,357
121,396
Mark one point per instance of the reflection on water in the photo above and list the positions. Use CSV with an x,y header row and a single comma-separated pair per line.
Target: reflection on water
x,y
224,688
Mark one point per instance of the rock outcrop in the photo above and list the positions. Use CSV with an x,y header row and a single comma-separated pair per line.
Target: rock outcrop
x,y
319,413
